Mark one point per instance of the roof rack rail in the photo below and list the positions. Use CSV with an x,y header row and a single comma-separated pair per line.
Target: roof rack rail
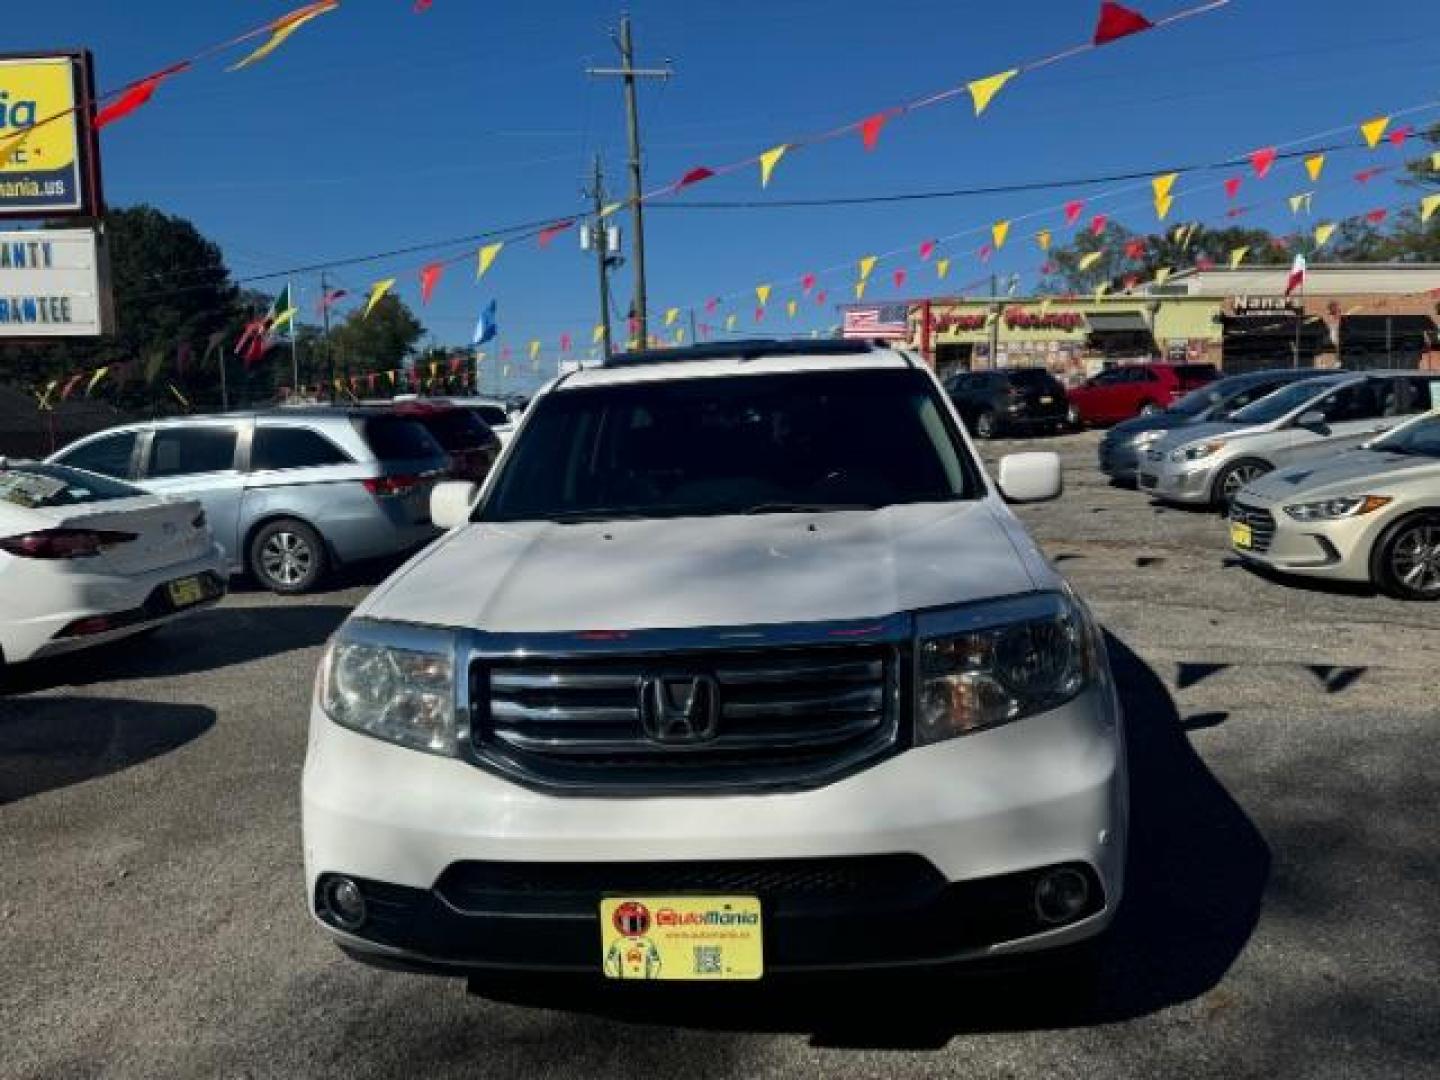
x,y
748,349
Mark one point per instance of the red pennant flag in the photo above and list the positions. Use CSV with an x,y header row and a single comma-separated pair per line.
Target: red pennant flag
x,y
1399,135
1236,212
422,6
1366,175
1117,22
694,176
1375,217
137,95
1204,263
985,252
370,380
564,342
429,278
760,313
1072,211
712,304
899,279
1232,186
1131,280
704,330
1135,249
1048,268
807,283
820,297
1279,243
926,250
1097,224
456,363
1262,160
330,299
549,233
505,352
870,129
70,384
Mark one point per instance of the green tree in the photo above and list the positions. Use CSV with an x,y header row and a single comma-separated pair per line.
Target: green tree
x,y
379,342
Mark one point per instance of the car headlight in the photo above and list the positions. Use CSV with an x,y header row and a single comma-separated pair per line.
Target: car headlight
x,y
402,691
990,664
1343,507
1196,451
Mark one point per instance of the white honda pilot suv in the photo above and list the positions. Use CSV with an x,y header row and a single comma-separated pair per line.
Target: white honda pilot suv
x,y
739,664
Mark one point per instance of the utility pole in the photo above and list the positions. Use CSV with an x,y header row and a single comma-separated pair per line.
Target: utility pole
x,y
630,73
599,238
325,322
994,322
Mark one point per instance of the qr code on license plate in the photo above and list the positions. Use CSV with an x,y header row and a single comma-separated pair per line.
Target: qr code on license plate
x,y
707,960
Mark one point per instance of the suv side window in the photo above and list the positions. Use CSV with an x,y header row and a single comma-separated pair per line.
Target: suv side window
x,y
1254,392
109,455
293,448
190,451
1357,402
1418,395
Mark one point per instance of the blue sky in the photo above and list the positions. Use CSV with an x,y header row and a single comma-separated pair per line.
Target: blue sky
x,y
376,128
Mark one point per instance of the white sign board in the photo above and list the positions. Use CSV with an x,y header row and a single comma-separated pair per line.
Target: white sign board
x,y
53,284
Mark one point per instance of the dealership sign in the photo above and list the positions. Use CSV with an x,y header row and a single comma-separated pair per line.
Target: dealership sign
x,y
47,146
53,284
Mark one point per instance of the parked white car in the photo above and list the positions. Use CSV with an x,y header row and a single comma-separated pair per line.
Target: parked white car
x,y
85,559
1372,515
740,664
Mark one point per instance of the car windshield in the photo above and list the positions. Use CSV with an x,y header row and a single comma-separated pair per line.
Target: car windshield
x,y
1421,439
1285,400
808,442
43,486
1195,402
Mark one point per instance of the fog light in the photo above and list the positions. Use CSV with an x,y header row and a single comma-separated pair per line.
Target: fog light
x,y
1060,896
344,903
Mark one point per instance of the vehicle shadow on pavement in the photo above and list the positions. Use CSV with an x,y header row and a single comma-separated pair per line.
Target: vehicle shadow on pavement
x,y
209,640
1197,872
53,742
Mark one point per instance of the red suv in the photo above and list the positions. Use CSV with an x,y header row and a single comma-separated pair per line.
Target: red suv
x,y
1118,393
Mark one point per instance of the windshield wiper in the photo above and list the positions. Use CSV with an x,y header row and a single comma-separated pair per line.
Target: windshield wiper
x,y
808,508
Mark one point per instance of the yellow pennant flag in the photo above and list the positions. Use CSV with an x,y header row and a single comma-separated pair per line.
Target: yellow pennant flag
x,y
1323,234
679,335
1315,165
1435,162
762,293
942,268
283,27
671,316
379,289
534,349
95,379
1163,185
998,232
184,402
1374,130
867,264
768,160
1089,260
791,307
983,91
1162,275
1428,206
1163,203
859,290
488,254
606,211
729,322
1301,202
45,397
1043,238
1237,256
597,333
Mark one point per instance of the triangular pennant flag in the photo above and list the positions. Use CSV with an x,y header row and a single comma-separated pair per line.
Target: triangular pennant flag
x,y
1364,176
711,305
487,258
791,307
135,96
378,290
760,314
1301,202
768,160
807,282
762,293
1073,210
867,264
100,373
820,297
1163,205
549,233
1262,161
283,27
870,129
1116,22
899,278
1315,165
1435,161
1375,217
999,232
598,334
1163,185
1232,186
1374,130
730,322
985,252
1399,135
942,268
1162,275
859,290
429,278
534,349
611,208
694,176
983,91
671,316
1097,223
1237,256
926,250
679,335
1323,234
1089,259
44,397
1043,238
1135,250
1428,206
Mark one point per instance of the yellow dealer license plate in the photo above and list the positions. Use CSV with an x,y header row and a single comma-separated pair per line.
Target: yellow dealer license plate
x,y
187,592
1240,535
682,938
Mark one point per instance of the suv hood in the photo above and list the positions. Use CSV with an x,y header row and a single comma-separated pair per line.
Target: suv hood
x,y
1360,472
704,572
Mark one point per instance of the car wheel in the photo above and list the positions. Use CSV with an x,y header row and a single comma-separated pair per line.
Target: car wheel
x,y
1149,408
1234,477
1406,563
288,557
1073,418
985,426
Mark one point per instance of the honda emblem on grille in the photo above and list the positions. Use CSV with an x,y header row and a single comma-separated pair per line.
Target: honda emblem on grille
x,y
679,709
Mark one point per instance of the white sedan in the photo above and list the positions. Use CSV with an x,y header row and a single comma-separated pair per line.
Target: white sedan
x,y
85,560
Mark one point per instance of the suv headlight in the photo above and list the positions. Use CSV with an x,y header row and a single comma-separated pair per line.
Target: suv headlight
x,y
397,686
989,664
1196,451
1343,507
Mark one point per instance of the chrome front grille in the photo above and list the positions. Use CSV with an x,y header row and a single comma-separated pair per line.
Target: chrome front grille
x,y
782,718
1261,522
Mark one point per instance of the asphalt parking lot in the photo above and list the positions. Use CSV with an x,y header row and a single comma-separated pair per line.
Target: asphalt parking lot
x,y
1281,919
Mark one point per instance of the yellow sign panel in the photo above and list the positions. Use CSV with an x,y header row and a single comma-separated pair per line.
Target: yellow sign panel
x,y
41,170
682,938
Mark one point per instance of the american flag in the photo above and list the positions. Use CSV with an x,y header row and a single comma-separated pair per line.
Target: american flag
x,y
888,321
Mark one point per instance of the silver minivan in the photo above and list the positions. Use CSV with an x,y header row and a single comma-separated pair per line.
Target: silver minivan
x,y
290,494
1206,464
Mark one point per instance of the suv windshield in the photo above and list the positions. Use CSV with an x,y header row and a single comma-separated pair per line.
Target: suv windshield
x,y
1274,406
734,444
1422,439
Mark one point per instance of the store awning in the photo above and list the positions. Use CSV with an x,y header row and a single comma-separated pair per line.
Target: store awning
x,y
1117,322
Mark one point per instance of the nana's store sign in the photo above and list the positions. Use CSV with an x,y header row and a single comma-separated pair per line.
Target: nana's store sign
x,y
1015,318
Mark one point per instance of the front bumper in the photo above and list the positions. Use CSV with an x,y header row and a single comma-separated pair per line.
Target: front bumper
x,y
1120,460
968,823
1189,483
1335,550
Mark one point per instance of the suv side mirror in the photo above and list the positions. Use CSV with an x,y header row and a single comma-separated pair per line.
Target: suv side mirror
x,y
451,501
1314,420
1030,477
